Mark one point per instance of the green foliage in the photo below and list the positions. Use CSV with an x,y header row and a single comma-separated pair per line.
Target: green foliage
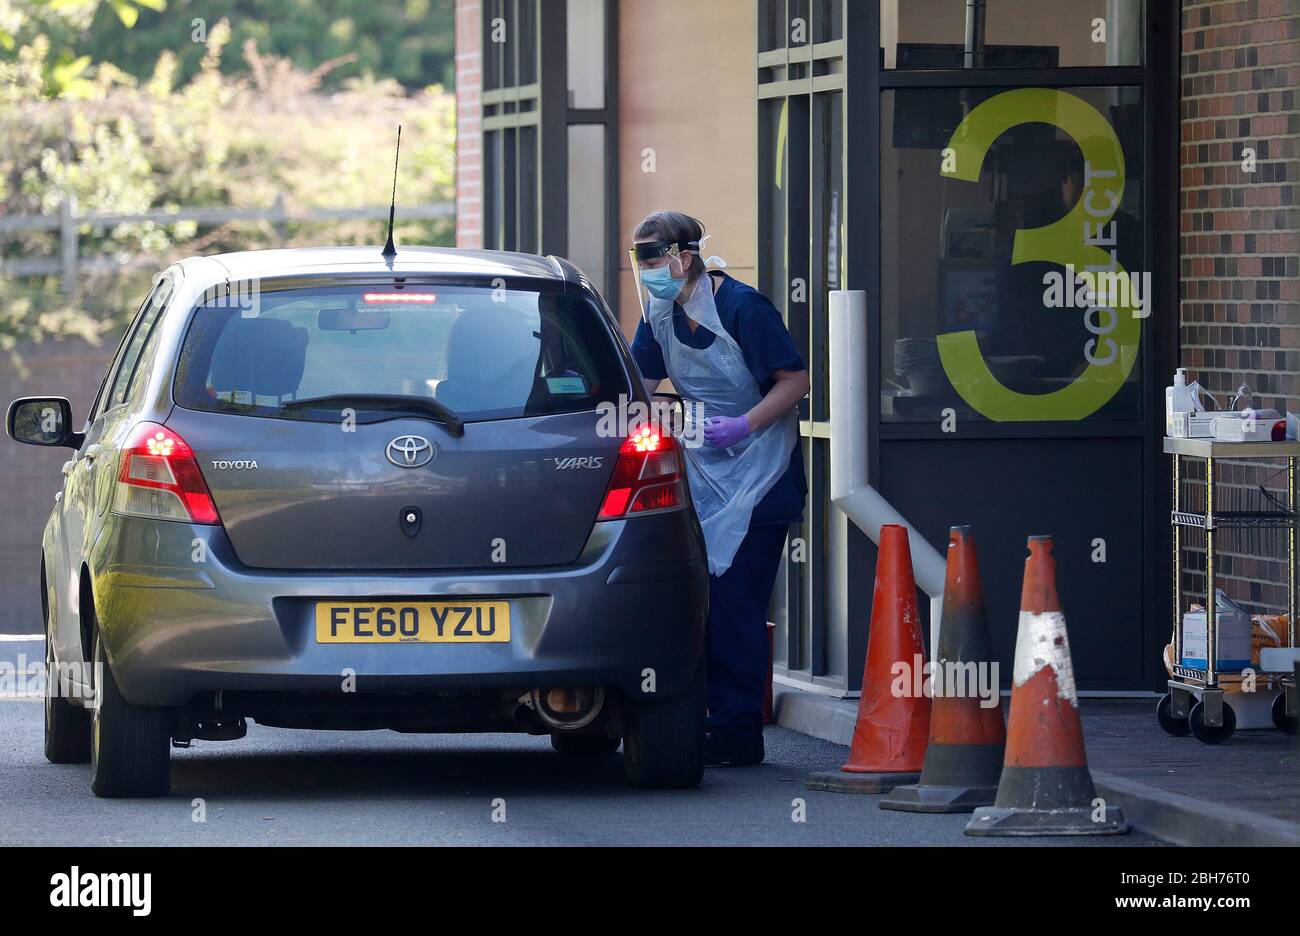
x,y
409,41
64,25
215,139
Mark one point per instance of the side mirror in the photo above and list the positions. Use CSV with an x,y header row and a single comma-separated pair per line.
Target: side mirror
x,y
45,421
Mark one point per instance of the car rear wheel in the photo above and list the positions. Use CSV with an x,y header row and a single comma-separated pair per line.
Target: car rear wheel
x,y
67,724
663,742
130,744
585,745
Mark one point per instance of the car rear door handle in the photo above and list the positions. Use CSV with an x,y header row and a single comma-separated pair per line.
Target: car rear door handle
x,y
92,451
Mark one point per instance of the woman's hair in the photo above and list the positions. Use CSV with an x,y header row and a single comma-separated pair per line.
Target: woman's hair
x,y
673,226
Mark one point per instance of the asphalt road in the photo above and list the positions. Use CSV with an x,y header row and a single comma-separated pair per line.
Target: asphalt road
x,y
283,787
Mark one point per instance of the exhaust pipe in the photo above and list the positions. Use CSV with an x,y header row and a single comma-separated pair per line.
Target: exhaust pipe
x,y
219,727
567,709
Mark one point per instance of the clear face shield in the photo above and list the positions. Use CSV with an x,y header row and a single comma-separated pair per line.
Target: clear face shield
x,y
656,265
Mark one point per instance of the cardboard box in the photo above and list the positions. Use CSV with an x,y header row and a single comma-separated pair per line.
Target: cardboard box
x,y
1234,632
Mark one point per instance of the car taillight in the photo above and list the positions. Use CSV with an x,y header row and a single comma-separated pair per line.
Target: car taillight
x,y
647,476
160,478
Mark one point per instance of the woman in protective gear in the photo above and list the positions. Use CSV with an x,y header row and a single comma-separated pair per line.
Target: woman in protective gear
x,y
729,355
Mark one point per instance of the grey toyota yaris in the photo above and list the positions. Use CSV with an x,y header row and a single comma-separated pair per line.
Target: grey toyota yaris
x,y
320,488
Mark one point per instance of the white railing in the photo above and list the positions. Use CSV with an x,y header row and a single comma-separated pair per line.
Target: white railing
x,y
851,489
69,262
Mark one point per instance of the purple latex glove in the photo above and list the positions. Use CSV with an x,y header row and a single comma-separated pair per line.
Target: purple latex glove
x,y
725,431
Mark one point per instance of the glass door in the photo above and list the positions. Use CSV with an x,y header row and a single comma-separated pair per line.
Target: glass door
x,y
989,174
801,82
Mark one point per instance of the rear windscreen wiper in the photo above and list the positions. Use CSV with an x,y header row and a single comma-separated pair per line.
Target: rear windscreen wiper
x,y
426,406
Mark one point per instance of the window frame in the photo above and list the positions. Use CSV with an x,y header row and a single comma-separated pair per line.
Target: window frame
x,y
868,106
806,604
102,395
1133,426
145,323
510,282
511,111
509,107
816,644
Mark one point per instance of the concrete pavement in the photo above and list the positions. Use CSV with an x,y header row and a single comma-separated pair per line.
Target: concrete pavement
x,y
1243,792
280,787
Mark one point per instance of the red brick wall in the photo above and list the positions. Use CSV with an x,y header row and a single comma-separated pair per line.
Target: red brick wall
x,y
1240,237
29,476
469,127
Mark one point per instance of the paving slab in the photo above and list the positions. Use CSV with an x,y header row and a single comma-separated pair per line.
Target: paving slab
x,y
1245,791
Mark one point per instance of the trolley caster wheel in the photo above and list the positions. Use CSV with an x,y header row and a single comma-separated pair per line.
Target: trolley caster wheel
x,y
1203,732
1178,727
1283,721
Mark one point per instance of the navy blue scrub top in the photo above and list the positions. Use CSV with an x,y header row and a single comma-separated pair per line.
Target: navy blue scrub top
x,y
765,343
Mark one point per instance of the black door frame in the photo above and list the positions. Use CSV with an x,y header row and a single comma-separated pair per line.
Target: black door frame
x,y
1158,78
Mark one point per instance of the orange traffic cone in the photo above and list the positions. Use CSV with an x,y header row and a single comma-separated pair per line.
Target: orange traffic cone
x,y
1045,787
893,714
967,734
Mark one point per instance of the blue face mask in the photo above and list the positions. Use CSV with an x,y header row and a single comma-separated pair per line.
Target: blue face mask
x,y
660,283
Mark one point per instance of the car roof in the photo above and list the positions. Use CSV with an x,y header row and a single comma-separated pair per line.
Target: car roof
x,y
306,261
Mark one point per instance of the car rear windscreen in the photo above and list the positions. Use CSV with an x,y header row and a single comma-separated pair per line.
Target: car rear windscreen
x,y
482,352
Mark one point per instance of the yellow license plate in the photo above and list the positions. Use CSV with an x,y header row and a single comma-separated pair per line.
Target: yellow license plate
x,y
413,622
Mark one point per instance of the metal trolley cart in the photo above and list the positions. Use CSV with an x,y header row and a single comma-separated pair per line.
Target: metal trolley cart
x,y
1194,702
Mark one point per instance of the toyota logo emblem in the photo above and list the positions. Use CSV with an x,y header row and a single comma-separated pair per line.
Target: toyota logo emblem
x,y
410,451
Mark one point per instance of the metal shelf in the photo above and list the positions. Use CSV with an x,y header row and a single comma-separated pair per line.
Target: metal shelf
x,y
1235,519
1207,683
1210,448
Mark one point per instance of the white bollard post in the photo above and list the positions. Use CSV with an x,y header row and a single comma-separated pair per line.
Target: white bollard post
x,y
851,490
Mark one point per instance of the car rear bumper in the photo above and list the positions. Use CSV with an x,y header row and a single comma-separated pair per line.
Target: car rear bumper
x,y
180,616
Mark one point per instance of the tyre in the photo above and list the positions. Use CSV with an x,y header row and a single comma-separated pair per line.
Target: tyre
x,y
1281,719
1206,734
585,745
1178,727
663,741
67,724
130,744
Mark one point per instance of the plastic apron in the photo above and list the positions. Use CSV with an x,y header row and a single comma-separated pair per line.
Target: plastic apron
x,y
714,381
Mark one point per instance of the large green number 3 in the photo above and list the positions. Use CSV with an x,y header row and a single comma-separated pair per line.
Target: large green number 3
x,y
1061,242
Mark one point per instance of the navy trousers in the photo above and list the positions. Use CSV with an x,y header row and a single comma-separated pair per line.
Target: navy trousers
x,y
738,646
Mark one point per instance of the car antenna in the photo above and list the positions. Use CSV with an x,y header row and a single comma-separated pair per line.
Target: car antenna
x,y
390,249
